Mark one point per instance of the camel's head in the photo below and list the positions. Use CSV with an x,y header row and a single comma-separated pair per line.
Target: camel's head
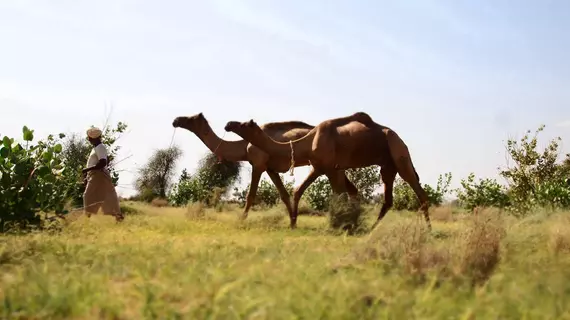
x,y
243,129
193,123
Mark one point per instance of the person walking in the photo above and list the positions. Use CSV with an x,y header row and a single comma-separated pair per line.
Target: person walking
x,y
99,191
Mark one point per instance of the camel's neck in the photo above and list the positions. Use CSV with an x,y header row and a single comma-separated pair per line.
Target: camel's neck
x,y
301,147
228,150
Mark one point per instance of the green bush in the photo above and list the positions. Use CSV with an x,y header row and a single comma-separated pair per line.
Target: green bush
x,y
406,199
345,214
204,186
319,193
267,194
484,193
33,179
536,178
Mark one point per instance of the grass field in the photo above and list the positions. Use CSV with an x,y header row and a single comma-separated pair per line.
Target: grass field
x,y
174,264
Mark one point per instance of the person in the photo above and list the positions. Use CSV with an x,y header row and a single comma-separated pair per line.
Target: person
x,y
99,190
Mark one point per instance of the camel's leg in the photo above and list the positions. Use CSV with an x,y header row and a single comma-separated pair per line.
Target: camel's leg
x,y
349,186
388,174
403,161
313,175
408,173
255,176
274,176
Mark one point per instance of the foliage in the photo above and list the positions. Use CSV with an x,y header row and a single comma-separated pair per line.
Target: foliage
x,y
211,180
319,193
181,192
76,150
345,214
366,180
536,178
484,193
406,199
32,179
154,178
267,194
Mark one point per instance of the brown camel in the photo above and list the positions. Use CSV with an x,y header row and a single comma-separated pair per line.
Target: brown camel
x,y
261,161
355,141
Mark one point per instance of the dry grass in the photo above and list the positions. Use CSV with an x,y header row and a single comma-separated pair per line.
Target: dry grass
x,y
197,263
408,246
159,203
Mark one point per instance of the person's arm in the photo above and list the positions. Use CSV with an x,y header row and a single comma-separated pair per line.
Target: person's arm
x,y
102,155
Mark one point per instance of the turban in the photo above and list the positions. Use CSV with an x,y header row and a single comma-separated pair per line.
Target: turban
x,y
94,132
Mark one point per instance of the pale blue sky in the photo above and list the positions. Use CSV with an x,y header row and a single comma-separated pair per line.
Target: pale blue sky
x,y
453,78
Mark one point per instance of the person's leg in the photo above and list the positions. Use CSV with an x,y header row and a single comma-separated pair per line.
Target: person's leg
x,y
92,198
111,204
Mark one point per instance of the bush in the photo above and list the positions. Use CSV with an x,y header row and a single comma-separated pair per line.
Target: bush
x,y
319,193
483,193
406,199
345,214
366,180
32,180
536,178
205,185
158,202
267,194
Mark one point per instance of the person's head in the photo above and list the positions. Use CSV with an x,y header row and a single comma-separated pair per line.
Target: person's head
x,y
94,135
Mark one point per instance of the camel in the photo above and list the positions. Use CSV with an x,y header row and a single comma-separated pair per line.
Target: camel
x,y
354,141
259,160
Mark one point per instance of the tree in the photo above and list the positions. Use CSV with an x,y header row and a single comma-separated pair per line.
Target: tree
x,y
406,199
33,179
211,180
267,194
485,193
154,178
536,178
366,180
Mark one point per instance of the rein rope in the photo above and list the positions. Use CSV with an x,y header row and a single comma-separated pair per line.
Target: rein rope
x,y
292,168
219,144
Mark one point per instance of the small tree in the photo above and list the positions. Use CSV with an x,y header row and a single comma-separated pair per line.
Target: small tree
x,y
536,178
406,199
212,176
267,194
33,179
319,193
484,192
366,180
154,178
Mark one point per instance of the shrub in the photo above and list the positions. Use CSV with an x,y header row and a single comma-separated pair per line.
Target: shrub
x,y
159,202
482,193
536,178
319,193
406,199
212,177
345,214
267,194
32,180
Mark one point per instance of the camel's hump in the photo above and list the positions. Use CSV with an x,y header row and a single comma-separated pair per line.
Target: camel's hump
x,y
286,125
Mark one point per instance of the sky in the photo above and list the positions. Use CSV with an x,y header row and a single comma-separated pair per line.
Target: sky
x,y
454,78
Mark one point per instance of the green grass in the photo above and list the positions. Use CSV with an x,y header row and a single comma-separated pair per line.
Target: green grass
x,y
173,263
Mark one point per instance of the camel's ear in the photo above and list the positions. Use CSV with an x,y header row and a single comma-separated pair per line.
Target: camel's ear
x,y
200,115
251,123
